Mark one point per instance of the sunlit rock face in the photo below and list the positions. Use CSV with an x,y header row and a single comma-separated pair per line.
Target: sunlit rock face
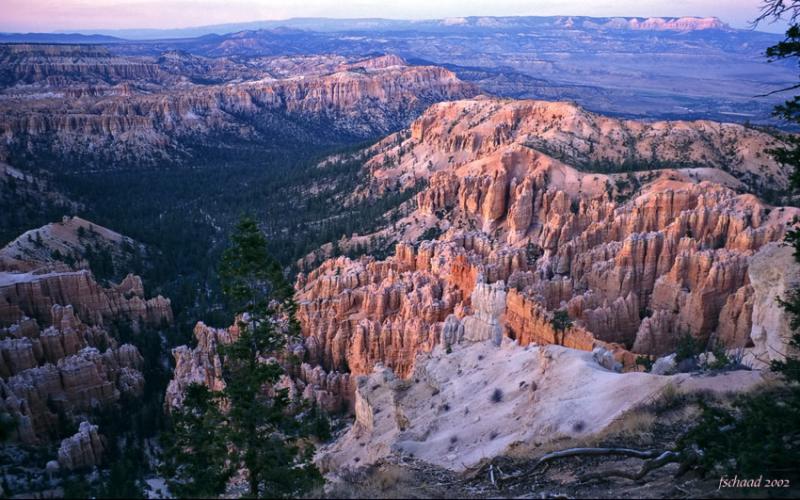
x,y
529,222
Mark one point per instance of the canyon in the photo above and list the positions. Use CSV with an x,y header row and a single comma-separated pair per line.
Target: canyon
x,y
493,251
636,260
546,240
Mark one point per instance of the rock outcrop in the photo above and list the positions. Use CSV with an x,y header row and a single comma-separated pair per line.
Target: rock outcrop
x,y
34,295
636,260
773,273
480,400
58,361
73,386
82,450
203,365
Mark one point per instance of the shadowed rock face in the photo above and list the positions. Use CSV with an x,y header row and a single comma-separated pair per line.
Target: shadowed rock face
x,y
57,358
636,260
68,368
84,449
29,294
32,280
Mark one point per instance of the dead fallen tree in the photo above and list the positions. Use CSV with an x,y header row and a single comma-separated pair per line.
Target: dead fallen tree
x,y
653,460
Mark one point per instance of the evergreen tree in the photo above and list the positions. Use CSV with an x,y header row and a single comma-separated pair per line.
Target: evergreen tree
x,y
195,448
266,436
260,430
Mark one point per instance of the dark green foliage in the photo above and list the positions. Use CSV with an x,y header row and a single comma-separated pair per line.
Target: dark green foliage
x,y
497,396
8,424
76,487
194,447
687,348
250,277
130,425
26,205
431,233
561,321
123,479
100,262
645,361
757,436
261,429
721,359
532,253
182,213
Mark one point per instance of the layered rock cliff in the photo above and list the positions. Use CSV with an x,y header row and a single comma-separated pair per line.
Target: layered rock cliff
x,y
33,295
65,370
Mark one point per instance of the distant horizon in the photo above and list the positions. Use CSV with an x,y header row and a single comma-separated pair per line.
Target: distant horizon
x,y
109,16
139,33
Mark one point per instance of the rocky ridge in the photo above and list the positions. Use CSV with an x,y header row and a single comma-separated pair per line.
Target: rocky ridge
x,y
149,117
479,400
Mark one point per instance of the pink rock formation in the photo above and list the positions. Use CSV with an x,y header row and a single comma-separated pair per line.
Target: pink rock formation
x,y
362,98
637,260
33,295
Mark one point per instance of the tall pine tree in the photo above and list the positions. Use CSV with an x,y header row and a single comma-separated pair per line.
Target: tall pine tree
x,y
260,430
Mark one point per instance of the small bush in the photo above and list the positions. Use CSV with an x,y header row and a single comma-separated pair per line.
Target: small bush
x,y
721,359
497,396
561,320
644,361
687,348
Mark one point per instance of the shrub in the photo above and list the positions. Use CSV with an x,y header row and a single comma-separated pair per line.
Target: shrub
x,y
561,320
721,359
644,361
687,348
497,396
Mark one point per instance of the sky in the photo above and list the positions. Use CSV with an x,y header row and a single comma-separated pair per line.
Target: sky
x,y
86,15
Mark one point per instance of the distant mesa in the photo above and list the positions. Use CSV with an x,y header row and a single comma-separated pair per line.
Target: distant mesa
x,y
658,23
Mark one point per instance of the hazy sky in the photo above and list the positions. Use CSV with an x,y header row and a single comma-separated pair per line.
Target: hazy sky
x,y
53,15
